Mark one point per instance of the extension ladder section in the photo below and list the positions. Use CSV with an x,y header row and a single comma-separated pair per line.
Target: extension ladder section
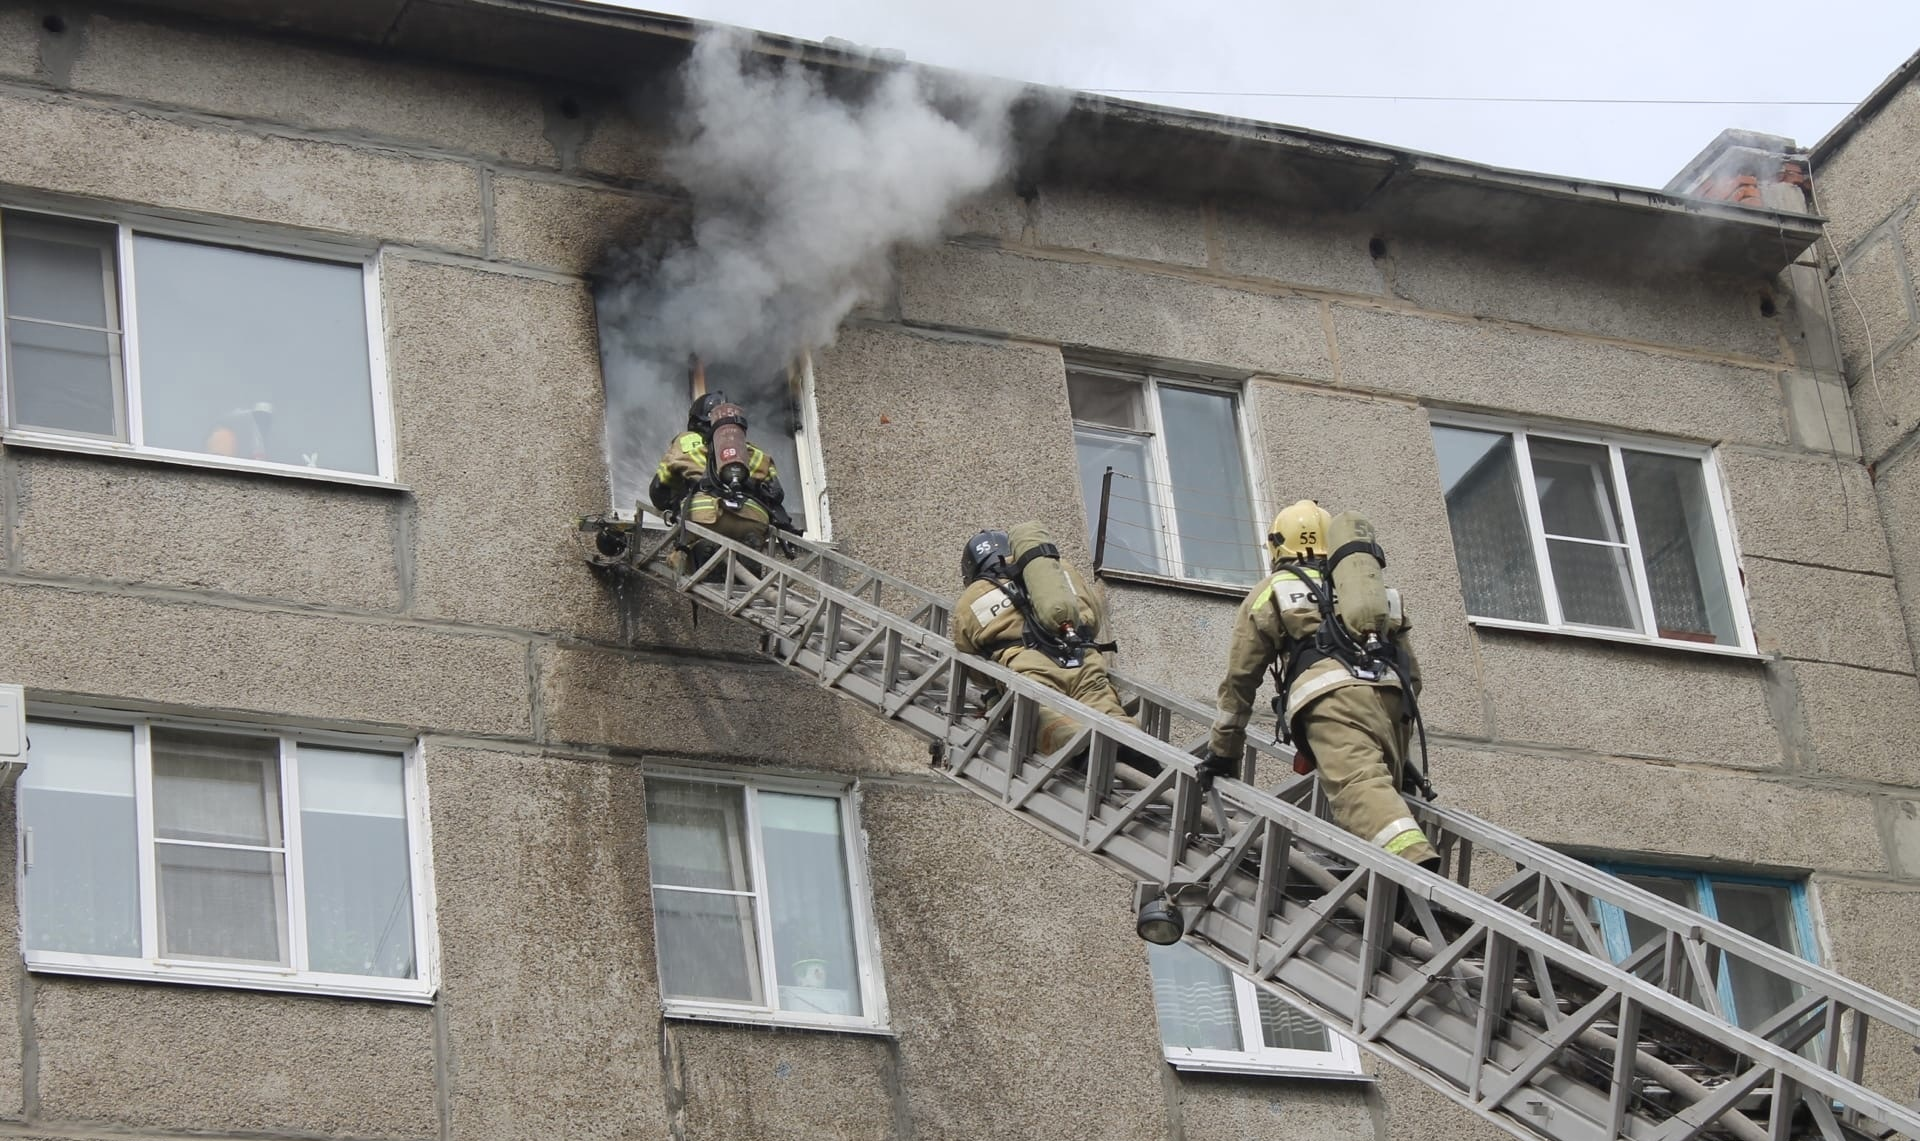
x,y
1490,981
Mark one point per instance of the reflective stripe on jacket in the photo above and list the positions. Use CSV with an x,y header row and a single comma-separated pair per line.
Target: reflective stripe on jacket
x,y
1275,616
685,465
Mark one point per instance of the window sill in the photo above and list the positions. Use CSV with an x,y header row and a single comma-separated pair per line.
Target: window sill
x,y
335,986
1265,1070
27,441
1600,635
768,1019
1170,582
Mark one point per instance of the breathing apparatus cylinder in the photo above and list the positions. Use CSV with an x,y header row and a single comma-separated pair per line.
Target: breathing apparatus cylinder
x,y
1056,605
731,454
1359,588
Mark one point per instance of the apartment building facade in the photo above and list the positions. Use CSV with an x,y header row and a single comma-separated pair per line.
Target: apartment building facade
x,y
356,805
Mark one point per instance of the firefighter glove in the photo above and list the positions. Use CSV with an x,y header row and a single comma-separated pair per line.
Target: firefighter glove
x,y
1216,766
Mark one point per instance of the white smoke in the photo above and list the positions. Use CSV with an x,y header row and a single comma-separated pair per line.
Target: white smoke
x,y
798,194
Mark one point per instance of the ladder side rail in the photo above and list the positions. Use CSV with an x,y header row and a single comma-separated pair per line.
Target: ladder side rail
x,y
1571,872
1331,1001
942,606
1468,904
916,637
1304,826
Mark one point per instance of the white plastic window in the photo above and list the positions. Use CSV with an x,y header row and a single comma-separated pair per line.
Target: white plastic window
x,y
121,337
1165,477
1624,539
181,852
760,904
647,401
1212,1019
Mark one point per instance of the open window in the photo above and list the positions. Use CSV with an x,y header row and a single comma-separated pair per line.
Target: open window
x,y
647,401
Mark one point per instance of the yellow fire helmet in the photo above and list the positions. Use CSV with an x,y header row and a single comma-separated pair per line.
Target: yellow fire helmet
x,y
1299,531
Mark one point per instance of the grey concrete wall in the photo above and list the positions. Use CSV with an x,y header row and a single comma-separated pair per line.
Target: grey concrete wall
x,y
1869,189
454,608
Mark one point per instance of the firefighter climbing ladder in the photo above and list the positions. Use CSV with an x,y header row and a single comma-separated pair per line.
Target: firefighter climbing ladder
x,y
1492,983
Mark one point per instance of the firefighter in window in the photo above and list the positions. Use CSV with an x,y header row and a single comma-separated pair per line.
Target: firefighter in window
x,y
1028,610
712,475
1335,638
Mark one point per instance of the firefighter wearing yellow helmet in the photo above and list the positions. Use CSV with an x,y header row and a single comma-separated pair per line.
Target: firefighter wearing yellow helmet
x,y
1341,674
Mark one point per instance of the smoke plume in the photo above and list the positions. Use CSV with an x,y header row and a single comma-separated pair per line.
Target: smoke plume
x,y
798,193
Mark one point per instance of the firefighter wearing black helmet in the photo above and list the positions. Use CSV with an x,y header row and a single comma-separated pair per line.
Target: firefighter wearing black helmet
x,y
988,621
740,500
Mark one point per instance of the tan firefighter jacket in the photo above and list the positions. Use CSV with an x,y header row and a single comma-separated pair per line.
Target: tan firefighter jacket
x,y
685,464
987,623
1274,618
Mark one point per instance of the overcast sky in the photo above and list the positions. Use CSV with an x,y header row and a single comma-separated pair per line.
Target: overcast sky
x,y
1533,49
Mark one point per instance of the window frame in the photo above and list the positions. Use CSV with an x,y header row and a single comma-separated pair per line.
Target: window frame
x,y
1339,1062
1725,534
152,967
866,939
811,479
1163,513
128,223
1613,923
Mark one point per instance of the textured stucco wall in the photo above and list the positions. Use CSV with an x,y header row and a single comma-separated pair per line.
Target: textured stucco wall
x,y
455,609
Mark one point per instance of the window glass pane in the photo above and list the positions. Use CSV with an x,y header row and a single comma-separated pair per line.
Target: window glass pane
x,y
1595,584
706,946
1681,548
1107,400
815,959
1766,913
1194,998
254,355
1680,891
219,788
1133,543
1489,522
1211,502
1285,1028
82,886
60,270
222,903
696,835
61,377
1575,484
354,852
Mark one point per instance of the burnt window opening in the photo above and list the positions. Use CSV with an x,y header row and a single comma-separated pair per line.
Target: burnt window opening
x,y
647,400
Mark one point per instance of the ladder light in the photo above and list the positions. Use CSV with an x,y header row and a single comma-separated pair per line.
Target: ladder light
x,y
1160,923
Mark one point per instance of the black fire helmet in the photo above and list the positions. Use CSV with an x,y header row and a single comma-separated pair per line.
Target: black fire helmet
x,y
987,553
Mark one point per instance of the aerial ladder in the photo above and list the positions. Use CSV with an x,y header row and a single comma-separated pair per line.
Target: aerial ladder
x,y
1489,981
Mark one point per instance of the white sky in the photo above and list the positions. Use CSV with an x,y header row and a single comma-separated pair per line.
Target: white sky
x,y
1622,49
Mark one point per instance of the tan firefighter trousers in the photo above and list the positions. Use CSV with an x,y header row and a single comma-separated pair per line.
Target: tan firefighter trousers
x,y
1359,743
1088,685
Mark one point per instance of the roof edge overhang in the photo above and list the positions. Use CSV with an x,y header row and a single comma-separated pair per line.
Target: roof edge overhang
x,y
1876,99
1097,140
